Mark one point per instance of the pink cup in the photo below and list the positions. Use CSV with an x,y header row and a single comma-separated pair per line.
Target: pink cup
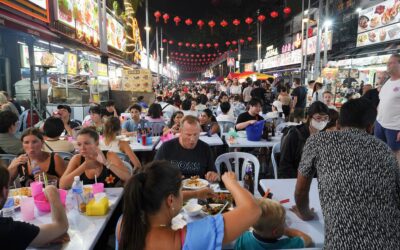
x,y
36,188
98,188
27,208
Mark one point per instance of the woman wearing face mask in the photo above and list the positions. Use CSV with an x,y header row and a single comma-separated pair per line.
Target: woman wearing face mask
x,y
293,141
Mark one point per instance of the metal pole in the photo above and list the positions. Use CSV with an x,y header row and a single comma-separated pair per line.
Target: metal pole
x,y
258,47
307,26
317,62
302,40
162,53
147,35
326,35
32,75
158,59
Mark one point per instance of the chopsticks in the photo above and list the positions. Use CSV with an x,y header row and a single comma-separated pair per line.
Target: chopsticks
x,y
223,208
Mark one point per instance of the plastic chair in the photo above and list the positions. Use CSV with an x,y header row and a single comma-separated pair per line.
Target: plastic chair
x,y
66,156
128,166
7,158
283,125
276,149
157,128
236,156
122,156
224,126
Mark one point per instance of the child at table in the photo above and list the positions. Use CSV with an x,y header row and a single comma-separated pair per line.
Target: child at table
x,y
270,228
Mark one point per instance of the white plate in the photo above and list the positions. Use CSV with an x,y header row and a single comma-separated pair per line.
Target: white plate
x,y
203,133
202,183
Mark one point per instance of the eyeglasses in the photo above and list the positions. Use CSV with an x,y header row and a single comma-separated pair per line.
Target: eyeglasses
x,y
321,118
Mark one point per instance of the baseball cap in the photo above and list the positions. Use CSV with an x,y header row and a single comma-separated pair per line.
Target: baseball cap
x,y
277,105
63,106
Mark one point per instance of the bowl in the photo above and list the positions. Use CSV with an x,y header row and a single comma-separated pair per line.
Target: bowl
x,y
43,205
193,209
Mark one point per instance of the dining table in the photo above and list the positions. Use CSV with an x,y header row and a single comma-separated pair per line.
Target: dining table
x,y
139,147
243,142
84,231
213,140
283,190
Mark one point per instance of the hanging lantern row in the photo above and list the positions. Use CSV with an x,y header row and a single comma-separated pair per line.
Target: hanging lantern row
x,y
236,22
208,45
193,55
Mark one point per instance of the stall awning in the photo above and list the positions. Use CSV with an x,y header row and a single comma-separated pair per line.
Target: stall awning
x,y
16,22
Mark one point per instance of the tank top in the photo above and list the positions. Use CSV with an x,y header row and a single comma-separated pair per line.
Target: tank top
x,y
113,146
106,176
26,177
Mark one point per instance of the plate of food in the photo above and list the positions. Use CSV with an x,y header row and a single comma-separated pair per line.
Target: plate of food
x,y
194,183
23,191
214,208
221,198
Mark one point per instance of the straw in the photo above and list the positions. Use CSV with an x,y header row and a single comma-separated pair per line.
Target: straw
x,y
95,179
45,179
39,178
266,193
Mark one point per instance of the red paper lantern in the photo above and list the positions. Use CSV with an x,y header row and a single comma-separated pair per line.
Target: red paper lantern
x,y
164,40
214,55
203,55
201,45
171,42
197,55
208,45
191,55
274,14
211,24
249,20
177,20
200,23
165,17
216,45
224,23
209,55
287,10
187,44
236,22
181,54
241,41
194,45
249,39
180,44
261,18
234,42
186,55
188,22
157,15
228,43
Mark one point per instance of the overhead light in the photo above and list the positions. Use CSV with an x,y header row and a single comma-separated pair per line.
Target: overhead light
x,y
53,45
147,28
162,49
305,20
22,43
328,23
259,45
306,12
358,10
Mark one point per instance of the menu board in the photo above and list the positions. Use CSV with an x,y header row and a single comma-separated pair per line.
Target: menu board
x,y
81,15
379,23
72,63
115,33
137,80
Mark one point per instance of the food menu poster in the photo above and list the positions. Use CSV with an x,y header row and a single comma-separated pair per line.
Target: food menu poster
x,y
115,33
83,15
379,23
137,80
72,64
34,8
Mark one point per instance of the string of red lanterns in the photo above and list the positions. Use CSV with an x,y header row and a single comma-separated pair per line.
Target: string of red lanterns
x,y
208,45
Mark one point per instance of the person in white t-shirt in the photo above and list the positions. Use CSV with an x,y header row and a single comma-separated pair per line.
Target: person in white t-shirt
x,y
387,126
236,89
225,116
318,91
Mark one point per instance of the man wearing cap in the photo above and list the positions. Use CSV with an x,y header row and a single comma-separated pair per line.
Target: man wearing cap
x,y
64,112
277,111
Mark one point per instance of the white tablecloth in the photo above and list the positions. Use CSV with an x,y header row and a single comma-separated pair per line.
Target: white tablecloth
x,y
213,140
284,189
138,147
84,231
242,142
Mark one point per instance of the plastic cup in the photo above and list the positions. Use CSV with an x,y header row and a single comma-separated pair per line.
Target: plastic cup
x,y
36,188
98,188
144,141
27,208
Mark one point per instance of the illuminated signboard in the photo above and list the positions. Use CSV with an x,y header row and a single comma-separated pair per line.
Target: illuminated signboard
x,y
115,33
81,15
34,8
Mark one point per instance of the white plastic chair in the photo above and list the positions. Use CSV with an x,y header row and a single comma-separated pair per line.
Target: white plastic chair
x,y
157,128
7,158
236,156
128,166
276,149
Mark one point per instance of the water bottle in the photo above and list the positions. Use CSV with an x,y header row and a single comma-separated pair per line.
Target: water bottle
x,y
77,190
248,179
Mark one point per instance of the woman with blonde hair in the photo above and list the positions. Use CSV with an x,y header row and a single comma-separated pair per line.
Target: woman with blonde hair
x,y
112,128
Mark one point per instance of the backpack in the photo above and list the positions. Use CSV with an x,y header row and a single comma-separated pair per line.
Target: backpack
x,y
25,119
293,129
